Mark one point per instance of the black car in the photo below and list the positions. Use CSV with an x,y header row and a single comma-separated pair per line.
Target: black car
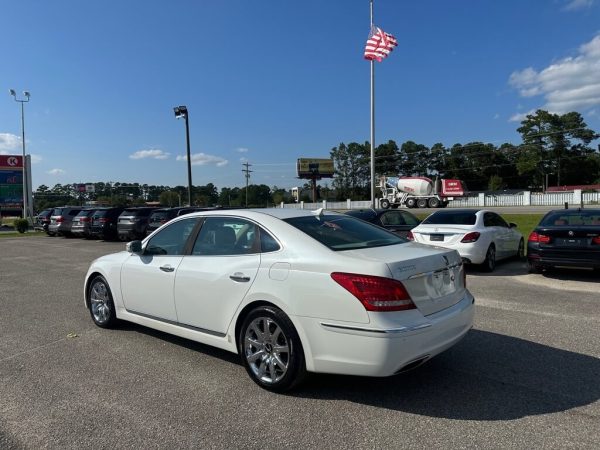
x,y
394,220
42,220
565,237
133,223
104,223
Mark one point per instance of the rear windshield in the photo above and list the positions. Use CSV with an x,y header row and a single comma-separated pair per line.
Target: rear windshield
x,y
158,216
85,213
101,213
136,212
451,218
575,218
57,211
343,232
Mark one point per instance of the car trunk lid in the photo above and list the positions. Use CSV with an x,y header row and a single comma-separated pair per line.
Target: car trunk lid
x,y
447,234
433,277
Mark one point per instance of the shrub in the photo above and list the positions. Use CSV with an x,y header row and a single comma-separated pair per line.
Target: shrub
x,y
21,225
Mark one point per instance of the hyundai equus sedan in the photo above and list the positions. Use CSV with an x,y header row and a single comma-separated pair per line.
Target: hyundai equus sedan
x,y
290,291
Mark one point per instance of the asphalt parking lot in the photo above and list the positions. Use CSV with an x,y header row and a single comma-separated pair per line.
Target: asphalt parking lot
x,y
526,376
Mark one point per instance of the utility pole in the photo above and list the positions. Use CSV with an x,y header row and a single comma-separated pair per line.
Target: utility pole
x,y
247,172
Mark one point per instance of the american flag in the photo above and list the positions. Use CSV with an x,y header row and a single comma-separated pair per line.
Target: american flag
x,y
379,44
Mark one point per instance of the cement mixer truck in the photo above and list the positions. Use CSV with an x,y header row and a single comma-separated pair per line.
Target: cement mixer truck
x,y
418,192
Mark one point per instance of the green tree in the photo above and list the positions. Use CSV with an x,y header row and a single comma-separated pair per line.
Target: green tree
x,y
169,198
551,142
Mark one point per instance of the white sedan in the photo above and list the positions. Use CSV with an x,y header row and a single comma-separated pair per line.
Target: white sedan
x,y
291,291
479,236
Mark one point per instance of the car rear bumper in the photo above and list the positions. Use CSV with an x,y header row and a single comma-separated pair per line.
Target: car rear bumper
x,y
540,260
367,351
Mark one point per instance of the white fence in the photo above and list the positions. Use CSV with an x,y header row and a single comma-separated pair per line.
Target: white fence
x,y
481,200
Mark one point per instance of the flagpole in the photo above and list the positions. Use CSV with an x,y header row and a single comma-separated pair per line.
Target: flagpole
x,y
372,122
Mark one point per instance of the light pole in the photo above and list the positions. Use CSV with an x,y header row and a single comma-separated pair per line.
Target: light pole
x,y
25,181
181,111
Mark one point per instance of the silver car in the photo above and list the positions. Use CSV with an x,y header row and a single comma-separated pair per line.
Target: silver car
x,y
61,220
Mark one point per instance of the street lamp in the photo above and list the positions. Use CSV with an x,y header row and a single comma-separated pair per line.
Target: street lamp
x,y
181,111
25,182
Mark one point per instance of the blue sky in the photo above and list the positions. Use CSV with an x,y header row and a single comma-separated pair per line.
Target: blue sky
x,y
271,81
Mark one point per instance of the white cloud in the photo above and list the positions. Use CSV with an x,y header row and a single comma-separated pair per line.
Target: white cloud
x,y
570,84
152,153
9,142
518,117
576,5
241,150
496,116
56,172
36,159
202,159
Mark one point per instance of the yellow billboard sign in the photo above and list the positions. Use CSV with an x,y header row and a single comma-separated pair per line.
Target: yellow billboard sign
x,y
315,168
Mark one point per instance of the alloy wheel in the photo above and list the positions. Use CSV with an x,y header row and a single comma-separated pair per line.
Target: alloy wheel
x,y
266,350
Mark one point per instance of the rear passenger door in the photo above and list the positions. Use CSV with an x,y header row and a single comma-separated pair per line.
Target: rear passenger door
x,y
211,283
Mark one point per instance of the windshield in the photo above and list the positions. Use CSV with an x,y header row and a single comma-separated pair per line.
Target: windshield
x,y
451,218
343,232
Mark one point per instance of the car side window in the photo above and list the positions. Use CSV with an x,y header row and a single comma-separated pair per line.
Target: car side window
x,y
392,218
223,236
171,240
488,220
409,219
500,222
267,242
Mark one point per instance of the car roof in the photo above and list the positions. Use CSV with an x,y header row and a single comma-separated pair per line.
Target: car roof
x,y
279,213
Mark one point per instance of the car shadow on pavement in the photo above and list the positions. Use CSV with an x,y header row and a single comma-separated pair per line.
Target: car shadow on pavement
x,y
516,267
487,376
182,342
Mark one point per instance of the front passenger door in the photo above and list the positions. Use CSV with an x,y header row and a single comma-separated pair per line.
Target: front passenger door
x,y
147,280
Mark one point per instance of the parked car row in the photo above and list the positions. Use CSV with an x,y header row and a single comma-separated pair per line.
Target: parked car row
x,y
107,223
563,238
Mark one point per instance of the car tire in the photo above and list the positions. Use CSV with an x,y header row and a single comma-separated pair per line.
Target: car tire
x,y
521,251
422,203
100,301
489,264
411,203
384,203
434,203
271,350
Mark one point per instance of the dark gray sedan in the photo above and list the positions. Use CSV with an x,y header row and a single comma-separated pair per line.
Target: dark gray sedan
x,y
395,220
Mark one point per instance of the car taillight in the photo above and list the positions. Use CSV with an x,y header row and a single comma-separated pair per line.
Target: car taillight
x,y
103,220
541,238
470,237
375,293
410,236
84,219
596,240
59,219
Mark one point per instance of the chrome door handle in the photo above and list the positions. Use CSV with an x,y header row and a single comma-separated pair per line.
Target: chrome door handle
x,y
167,268
238,276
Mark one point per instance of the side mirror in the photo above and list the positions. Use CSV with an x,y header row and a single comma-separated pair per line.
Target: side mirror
x,y
134,247
512,225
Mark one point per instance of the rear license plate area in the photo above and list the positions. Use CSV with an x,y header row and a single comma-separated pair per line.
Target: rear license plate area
x,y
436,237
571,242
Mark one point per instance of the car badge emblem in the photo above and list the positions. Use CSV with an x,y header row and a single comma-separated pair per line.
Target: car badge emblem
x,y
571,233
